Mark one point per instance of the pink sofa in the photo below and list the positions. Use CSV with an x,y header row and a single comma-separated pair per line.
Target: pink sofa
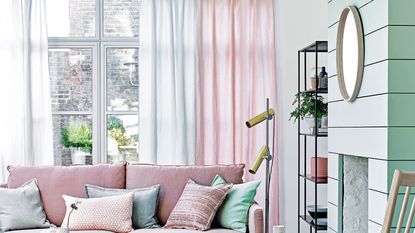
x,y
54,181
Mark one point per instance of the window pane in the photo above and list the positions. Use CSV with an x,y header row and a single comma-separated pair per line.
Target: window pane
x,y
70,133
71,79
70,18
121,18
122,138
122,79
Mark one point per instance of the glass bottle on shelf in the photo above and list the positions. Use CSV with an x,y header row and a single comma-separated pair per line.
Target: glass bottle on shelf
x,y
323,78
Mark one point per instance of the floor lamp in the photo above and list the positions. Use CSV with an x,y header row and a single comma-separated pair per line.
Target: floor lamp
x,y
264,153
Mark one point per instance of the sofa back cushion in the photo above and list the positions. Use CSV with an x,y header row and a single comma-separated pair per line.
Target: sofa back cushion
x,y
55,181
173,179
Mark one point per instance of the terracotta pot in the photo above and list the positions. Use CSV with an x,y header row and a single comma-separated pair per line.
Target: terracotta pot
x,y
321,167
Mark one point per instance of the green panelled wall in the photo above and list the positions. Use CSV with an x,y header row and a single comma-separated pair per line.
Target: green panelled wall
x,y
380,124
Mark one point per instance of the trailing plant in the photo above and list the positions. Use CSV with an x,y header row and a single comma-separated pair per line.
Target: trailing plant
x,y
77,136
306,108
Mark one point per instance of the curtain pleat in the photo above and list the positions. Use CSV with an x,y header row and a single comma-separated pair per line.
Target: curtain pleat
x,y
205,67
237,72
26,118
167,71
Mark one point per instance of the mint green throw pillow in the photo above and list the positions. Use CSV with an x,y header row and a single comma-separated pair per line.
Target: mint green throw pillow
x,y
233,213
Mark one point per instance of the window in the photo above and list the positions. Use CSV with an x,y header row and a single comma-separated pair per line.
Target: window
x,y
93,67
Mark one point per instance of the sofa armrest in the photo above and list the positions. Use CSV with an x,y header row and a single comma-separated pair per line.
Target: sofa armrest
x,y
3,185
255,219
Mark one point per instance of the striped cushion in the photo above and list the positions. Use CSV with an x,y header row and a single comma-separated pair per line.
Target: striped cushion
x,y
197,206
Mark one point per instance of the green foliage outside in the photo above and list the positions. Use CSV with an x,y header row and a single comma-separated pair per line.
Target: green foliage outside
x,y
116,130
77,137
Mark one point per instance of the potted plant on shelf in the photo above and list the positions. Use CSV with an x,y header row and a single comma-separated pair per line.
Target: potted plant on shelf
x,y
305,109
79,140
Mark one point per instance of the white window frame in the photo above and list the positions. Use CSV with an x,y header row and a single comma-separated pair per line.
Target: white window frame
x,y
99,112
104,112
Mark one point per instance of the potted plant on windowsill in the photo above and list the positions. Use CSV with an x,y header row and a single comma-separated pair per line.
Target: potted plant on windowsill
x,y
79,140
306,111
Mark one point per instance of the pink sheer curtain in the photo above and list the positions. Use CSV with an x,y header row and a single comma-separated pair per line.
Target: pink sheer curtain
x,y
237,72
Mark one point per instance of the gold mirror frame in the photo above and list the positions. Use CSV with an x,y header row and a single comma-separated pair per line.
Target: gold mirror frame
x,y
339,53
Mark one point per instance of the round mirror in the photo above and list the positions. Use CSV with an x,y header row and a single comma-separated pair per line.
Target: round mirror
x,y
350,53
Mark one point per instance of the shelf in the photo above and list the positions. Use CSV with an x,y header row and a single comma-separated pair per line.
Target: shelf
x,y
307,56
319,91
318,46
310,221
314,179
313,135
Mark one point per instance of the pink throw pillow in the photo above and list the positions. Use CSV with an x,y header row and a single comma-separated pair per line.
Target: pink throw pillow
x,y
197,206
106,213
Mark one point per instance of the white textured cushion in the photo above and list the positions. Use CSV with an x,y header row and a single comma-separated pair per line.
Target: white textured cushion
x,y
106,213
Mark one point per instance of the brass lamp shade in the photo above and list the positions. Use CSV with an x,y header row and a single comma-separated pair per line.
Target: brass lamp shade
x,y
259,118
262,154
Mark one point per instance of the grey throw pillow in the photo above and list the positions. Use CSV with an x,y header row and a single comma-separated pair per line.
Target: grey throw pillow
x,y
22,208
144,204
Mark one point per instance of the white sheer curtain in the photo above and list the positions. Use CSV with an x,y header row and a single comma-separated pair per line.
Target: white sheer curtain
x,y
167,71
25,117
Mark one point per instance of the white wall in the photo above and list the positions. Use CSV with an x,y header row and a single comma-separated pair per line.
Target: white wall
x,y
298,22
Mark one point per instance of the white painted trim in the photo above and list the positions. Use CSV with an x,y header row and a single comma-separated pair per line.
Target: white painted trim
x,y
98,45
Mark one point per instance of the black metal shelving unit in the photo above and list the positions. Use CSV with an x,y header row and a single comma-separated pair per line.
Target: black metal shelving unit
x,y
317,48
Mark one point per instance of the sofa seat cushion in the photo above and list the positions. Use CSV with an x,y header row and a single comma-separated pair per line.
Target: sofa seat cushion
x,y
55,181
48,231
216,230
136,231
173,179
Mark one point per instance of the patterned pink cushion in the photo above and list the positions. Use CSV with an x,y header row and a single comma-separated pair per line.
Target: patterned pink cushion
x,y
145,175
106,213
197,206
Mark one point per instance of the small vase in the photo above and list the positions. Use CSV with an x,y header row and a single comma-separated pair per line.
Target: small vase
x,y
314,83
321,167
309,123
324,122
323,78
62,230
